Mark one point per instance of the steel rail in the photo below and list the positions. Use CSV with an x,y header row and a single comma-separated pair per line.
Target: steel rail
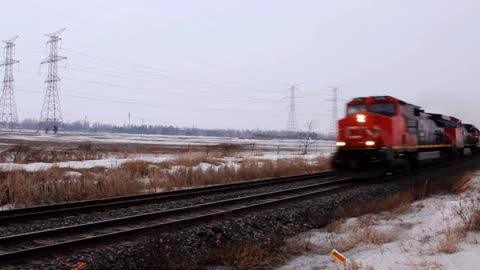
x,y
123,228
173,218
131,200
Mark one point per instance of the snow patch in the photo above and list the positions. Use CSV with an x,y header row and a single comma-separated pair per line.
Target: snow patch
x,y
84,164
417,236
7,207
73,174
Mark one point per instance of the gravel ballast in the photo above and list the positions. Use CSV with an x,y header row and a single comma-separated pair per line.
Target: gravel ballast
x,y
189,246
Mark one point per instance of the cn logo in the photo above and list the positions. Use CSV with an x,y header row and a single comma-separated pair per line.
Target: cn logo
x,y
350,131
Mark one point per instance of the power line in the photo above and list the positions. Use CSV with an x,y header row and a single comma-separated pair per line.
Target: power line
x,y
164,106
122,73
51,116
155,71
207,92
159,73
8,107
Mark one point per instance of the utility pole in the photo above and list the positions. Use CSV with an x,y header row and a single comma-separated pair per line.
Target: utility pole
x,y
334,110
85,123
51,116
8,107
292,115
142,128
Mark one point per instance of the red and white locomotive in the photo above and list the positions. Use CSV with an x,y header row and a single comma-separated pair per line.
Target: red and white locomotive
x,y
381,134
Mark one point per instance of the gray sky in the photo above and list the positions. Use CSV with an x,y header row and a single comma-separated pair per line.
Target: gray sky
x,y
225,64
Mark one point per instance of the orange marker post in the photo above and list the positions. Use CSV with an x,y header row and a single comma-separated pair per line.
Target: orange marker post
x,y
338,256
464,186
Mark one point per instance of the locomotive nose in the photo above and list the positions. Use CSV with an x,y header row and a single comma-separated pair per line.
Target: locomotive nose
x,y
361,130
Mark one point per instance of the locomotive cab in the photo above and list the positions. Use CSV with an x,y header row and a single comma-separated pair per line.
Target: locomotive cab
x,y
364,136
367,123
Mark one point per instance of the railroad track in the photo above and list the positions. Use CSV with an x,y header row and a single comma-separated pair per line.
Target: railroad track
x,y
73,208
28,245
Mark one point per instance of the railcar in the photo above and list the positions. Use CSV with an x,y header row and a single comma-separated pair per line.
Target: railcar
x,y
382,134
471,137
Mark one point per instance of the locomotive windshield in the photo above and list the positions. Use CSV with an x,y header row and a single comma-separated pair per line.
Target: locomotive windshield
x,y
382,108
351,109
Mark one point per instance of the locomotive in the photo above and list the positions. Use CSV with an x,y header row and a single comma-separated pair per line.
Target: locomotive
x,y
382,134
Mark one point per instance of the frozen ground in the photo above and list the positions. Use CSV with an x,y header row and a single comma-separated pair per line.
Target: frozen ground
x,y
419,235
84,164
122,138
113,162
261,149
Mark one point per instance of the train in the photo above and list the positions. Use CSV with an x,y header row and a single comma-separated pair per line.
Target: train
x,y
383,134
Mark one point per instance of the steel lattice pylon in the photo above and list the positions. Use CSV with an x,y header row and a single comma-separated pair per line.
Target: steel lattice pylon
x,y
333,122
292,115
8,107
51,116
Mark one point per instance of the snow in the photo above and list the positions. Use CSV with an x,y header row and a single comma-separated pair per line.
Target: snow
x,y
115,162
254,144
73,174
417,233
272,149
7,207
84,164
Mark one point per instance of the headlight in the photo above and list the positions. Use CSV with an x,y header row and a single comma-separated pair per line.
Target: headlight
x,y
340,143
369,143
361,118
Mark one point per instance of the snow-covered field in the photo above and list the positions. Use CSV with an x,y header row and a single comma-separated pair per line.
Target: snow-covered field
x,y
84,164
122,138
421,238
115,162
250,148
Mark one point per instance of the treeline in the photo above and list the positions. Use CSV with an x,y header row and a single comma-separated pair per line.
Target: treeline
x,y
85,126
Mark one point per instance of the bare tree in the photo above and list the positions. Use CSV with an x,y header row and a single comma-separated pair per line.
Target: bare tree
x,y
310,125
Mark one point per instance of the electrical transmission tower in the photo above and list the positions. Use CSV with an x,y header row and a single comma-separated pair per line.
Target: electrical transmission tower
x,y
8,108
292,115
334,110
51,115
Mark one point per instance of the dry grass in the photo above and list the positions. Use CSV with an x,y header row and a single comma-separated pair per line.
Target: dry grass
x,y
423,263
345,244
266,255
23,153
364,231
247,256
301,244
194,158
357,234
248,169
54,185
468,211
335,226
449,239
394,205
351,265
475,223
399,203
374,236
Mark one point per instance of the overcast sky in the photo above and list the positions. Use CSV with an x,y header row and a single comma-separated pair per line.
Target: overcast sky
x,y
225,64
